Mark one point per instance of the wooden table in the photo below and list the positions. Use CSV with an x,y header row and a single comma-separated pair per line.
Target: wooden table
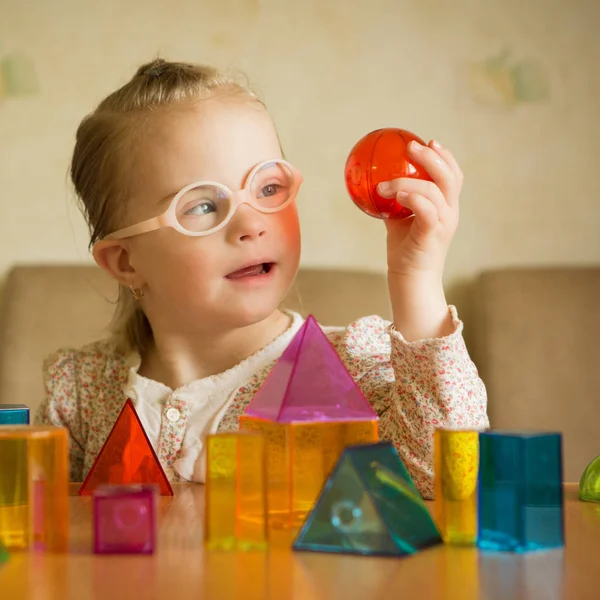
x,y
182,569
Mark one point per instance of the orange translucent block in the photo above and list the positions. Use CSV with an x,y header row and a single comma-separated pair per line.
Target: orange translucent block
x,y
456,466
127,457
236,496
309,409
377,157
34,480
300,457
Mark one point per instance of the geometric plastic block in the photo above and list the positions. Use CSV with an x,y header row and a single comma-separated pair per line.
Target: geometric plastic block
x,y
589,486
126,457
14,414
3,554
125,519
309,409
235,493
300,458
309,382
34,487
456,463
520,498
381,156
369,506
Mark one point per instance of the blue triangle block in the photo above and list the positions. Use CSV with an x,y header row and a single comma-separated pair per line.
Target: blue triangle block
x,y
369,506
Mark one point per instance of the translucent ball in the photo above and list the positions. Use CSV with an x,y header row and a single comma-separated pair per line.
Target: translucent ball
x,y
589,485
381,156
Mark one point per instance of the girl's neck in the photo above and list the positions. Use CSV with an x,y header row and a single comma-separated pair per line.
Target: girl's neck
x,y
176,360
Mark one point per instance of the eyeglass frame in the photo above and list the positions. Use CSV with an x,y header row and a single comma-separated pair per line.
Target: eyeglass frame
x,y
242,196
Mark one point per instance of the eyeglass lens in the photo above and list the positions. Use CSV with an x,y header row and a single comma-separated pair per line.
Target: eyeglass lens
x,y
206,206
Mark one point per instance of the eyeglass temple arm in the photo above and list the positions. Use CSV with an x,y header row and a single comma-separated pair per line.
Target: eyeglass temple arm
x,y
143,227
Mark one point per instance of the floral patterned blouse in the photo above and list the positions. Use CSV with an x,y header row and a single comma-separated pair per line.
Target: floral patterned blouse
x,y
413,387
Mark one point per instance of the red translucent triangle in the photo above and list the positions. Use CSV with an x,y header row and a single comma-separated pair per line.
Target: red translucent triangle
x,y
126,457
310,382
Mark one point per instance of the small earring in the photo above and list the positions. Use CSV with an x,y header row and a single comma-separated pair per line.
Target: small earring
x,y
137,294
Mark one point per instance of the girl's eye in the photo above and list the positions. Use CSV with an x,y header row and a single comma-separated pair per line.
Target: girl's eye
x,y
202,208
270,190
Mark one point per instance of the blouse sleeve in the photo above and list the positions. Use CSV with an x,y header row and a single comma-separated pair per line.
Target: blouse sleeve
x,y
416,387
61,406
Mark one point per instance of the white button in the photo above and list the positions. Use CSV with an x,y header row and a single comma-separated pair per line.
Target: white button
x,y
173,415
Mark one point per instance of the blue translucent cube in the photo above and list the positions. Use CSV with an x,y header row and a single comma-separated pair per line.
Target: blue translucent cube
x,y
14,414
520,491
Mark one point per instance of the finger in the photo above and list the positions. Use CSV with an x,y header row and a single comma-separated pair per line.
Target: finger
x,y
425,213
448,157
428,189
435,165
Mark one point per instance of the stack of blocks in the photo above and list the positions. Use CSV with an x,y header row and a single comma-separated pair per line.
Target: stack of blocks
x,y
308,410
125,480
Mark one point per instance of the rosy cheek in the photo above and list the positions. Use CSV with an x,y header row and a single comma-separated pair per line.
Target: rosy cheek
x,y
290,226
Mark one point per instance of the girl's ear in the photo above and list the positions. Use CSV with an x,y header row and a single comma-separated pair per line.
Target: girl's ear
x,y
113,257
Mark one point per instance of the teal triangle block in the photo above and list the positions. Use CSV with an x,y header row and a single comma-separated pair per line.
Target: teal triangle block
x,y
369,506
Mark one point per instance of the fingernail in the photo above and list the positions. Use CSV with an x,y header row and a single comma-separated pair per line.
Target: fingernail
x,y
402,194
436,144
383,187
415,146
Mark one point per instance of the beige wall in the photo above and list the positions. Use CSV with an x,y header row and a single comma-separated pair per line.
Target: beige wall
x,y
526,131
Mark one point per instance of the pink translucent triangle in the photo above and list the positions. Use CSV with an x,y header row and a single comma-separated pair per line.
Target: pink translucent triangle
x,y
310,383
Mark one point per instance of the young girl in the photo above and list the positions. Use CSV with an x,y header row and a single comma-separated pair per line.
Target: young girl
x,y
191,208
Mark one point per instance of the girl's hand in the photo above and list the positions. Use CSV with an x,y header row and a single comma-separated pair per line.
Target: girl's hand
x,y
418,246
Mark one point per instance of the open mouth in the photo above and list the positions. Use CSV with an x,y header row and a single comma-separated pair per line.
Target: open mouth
x,y
252,271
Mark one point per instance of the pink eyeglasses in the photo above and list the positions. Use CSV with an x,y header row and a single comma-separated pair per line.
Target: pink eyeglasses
x,y
204,207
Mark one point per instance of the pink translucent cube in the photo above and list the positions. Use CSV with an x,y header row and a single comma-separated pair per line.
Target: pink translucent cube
x,y
125,519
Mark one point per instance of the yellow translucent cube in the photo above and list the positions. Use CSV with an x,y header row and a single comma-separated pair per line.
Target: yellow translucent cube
x,y
456,466
235,510
300,457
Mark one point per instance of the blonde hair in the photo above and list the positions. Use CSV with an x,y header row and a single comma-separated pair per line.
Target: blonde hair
x,y
103,156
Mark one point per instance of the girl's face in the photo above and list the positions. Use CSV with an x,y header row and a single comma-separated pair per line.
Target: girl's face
x,y
238,275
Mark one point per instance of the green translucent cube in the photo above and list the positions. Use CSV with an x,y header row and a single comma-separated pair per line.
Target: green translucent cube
x,y
369,506
3,554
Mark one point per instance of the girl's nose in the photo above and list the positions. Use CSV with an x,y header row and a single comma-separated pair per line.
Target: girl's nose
x,y
246,224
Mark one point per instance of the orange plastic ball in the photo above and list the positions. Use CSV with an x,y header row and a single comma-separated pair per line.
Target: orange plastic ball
x,y
381,156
